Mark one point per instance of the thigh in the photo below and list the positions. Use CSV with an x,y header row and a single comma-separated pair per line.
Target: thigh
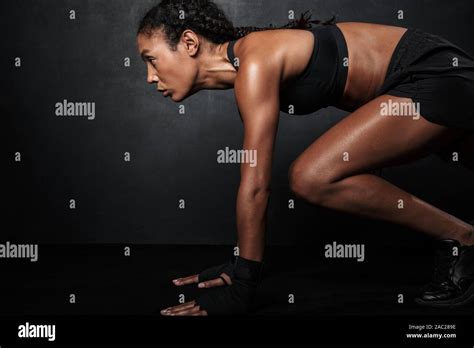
x,y
367,139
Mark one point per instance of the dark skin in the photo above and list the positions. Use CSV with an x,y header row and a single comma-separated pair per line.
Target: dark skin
x,y
268,62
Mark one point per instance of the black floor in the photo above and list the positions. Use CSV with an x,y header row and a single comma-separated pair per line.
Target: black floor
x,y
105,282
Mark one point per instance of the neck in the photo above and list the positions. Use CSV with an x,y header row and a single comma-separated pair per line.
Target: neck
x,y
216,71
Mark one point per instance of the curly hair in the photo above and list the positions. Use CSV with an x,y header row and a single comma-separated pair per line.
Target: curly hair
x,y
205,18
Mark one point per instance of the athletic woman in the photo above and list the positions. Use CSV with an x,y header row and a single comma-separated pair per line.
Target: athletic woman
x,y
408,94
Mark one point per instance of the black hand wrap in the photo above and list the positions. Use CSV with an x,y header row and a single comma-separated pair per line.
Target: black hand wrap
x,y
215,271
237,297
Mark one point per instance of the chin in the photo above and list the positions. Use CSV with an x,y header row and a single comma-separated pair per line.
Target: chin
x,y
176,98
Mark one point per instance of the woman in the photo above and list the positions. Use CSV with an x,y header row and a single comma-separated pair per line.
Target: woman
x,y
423,82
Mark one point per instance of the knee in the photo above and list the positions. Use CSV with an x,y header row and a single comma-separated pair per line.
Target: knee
x,y
307,185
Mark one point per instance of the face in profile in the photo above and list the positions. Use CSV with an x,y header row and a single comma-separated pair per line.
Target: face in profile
x,y
173,71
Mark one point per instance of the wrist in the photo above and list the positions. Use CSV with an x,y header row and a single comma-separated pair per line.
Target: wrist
x,y
248,270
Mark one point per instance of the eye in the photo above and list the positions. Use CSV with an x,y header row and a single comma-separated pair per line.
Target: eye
x,y
149,59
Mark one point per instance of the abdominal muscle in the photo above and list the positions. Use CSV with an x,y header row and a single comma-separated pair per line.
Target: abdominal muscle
x,y
370,48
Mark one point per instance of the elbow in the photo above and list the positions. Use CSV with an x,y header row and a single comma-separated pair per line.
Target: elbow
x,y
260,191
255,192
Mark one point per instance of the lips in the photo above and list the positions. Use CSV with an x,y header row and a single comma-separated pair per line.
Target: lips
x,y
165,92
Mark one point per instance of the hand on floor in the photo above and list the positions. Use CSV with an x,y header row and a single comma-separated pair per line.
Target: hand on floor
x,y
209,278
241,278
190,308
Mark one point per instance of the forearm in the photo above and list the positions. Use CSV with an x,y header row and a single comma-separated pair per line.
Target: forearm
x,y
251,220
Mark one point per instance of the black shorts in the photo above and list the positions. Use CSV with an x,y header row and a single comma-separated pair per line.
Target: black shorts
x,y
436,74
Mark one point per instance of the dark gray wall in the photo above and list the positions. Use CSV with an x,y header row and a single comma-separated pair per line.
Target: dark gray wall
x,y
172,156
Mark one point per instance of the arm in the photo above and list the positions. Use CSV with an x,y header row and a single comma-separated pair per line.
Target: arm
x,y
257,92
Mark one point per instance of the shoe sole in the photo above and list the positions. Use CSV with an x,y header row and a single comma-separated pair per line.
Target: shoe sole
x,y
466,298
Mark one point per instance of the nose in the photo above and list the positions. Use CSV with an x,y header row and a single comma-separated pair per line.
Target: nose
x,y
152,77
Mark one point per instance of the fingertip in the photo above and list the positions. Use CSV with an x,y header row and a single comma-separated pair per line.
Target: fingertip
x,y
201,285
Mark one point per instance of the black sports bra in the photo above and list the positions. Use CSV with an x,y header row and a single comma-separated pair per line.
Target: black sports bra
x,y
322,82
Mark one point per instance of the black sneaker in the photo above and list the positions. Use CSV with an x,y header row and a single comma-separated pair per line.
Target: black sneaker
x,y
453,278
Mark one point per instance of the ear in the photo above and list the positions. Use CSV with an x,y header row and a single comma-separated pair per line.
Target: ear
x,y
191,42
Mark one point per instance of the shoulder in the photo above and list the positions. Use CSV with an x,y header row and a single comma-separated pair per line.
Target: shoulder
x,y
258,80
259,74
261,50
274,54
